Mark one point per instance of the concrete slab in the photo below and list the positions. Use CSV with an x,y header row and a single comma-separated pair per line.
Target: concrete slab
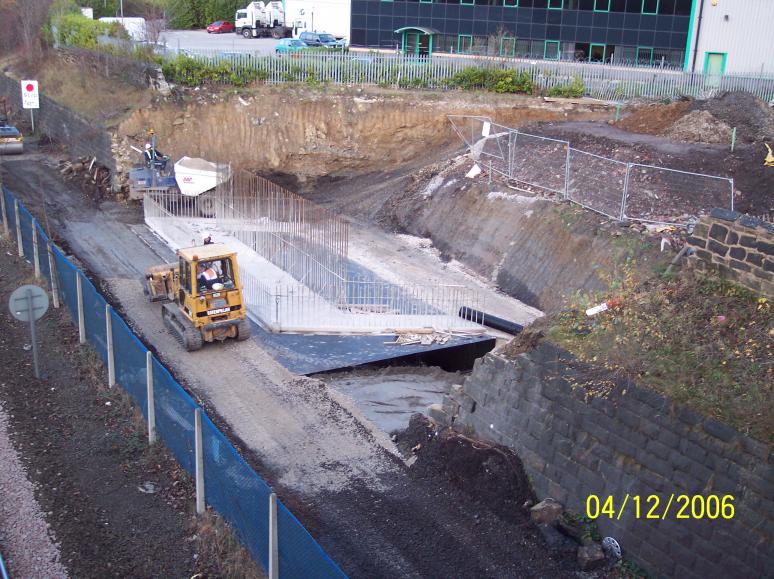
x,y
311,354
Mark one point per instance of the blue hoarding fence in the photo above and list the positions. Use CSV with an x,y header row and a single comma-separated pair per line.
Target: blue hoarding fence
x,y
231,486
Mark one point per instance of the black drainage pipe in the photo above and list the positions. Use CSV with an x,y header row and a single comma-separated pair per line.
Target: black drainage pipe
x,y
480,317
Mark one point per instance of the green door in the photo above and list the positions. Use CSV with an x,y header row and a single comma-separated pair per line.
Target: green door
x,y
597,53
714,67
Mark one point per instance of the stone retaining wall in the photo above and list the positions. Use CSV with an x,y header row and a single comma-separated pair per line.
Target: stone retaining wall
x,y
82,137
626,441
737,246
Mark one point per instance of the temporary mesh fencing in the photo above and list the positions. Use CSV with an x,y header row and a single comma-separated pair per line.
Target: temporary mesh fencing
x,y
615,188
232,487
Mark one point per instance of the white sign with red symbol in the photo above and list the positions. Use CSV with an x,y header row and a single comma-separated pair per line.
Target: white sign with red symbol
x,y
30,97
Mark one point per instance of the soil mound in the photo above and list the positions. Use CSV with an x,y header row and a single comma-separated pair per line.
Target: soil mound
x,y
490,474
655,118
705,121
753,119
699,126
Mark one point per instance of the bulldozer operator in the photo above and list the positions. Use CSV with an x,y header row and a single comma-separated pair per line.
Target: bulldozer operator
x,y
207,276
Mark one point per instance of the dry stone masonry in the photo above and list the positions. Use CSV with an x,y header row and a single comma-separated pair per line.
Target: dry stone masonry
x,y
737,246
625,440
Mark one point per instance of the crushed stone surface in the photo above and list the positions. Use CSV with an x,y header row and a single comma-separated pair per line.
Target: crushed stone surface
x,y
25,543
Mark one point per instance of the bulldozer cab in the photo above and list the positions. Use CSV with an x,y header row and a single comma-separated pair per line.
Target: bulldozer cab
x,y
210,290
202,295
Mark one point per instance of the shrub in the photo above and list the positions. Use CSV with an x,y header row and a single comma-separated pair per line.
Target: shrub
x,y
575,90
494,80
193,72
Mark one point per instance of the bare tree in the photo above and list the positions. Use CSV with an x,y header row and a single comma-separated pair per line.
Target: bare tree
x,y
154,24
31,15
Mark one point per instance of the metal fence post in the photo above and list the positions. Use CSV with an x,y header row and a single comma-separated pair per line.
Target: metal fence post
x,y
81,316
273,538
151,400
622,215
19,241
732,193
54,275
6,228
35,251
111,354
567,174
199,462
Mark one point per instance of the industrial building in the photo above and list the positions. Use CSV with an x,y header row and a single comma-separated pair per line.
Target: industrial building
x,y
721,36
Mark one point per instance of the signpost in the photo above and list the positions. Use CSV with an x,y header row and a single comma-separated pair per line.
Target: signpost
x,y
27,304
30,98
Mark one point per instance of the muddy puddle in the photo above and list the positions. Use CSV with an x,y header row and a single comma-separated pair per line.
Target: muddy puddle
x,y
389,396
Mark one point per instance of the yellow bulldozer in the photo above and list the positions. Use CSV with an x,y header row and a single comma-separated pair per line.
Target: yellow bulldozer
x,y
202,295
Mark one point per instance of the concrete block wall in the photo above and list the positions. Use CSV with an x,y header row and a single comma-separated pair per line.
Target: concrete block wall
x,y
82,137
737,246
628,441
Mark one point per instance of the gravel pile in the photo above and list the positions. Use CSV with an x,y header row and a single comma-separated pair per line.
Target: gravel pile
x,y
26,546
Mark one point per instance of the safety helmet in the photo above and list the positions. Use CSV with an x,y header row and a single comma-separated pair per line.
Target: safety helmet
x,y
147,146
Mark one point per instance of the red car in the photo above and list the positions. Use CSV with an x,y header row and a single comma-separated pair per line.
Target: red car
x,y
220,26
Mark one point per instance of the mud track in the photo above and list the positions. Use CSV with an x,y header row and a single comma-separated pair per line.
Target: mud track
x,y
375,516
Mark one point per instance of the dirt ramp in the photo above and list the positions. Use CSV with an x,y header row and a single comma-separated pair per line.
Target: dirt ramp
x,y
490,474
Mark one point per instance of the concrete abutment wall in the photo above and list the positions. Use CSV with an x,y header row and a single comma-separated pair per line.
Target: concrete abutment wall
x,y
625,440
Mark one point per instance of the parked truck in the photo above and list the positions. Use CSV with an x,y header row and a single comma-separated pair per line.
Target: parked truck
x,y
263,19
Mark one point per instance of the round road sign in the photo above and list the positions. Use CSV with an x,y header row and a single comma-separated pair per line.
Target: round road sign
x,y
28,301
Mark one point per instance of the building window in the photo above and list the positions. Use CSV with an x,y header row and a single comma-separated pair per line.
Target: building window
x,y
650,6
555,4
507,46
644,55
551,50
511,3
468,2
464,43
601,5
425,1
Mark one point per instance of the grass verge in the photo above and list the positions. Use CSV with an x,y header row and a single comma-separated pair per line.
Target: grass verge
x,y
701,340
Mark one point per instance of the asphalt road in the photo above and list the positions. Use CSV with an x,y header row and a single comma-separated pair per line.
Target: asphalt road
x,y
200,40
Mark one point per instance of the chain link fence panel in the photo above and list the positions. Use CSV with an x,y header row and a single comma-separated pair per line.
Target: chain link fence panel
x,y
596,183
651,189
236,491
130,356
538,161
94,317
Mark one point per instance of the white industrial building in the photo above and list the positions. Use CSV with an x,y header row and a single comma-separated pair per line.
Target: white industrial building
x,y
731,37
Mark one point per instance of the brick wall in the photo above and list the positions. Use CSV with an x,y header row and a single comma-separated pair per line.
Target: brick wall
x,y
737,246
631,441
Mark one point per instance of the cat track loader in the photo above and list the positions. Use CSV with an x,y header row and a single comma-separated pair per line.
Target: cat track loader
x,y
202,296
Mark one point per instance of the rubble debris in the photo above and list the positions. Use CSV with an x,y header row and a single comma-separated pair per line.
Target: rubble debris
x,y
94,178
546,511
591,557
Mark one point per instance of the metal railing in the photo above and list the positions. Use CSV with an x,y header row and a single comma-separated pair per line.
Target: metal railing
x,y
602,81
614,188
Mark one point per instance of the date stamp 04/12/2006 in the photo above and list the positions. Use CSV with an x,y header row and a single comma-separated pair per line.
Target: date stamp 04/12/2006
x,y
677,506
